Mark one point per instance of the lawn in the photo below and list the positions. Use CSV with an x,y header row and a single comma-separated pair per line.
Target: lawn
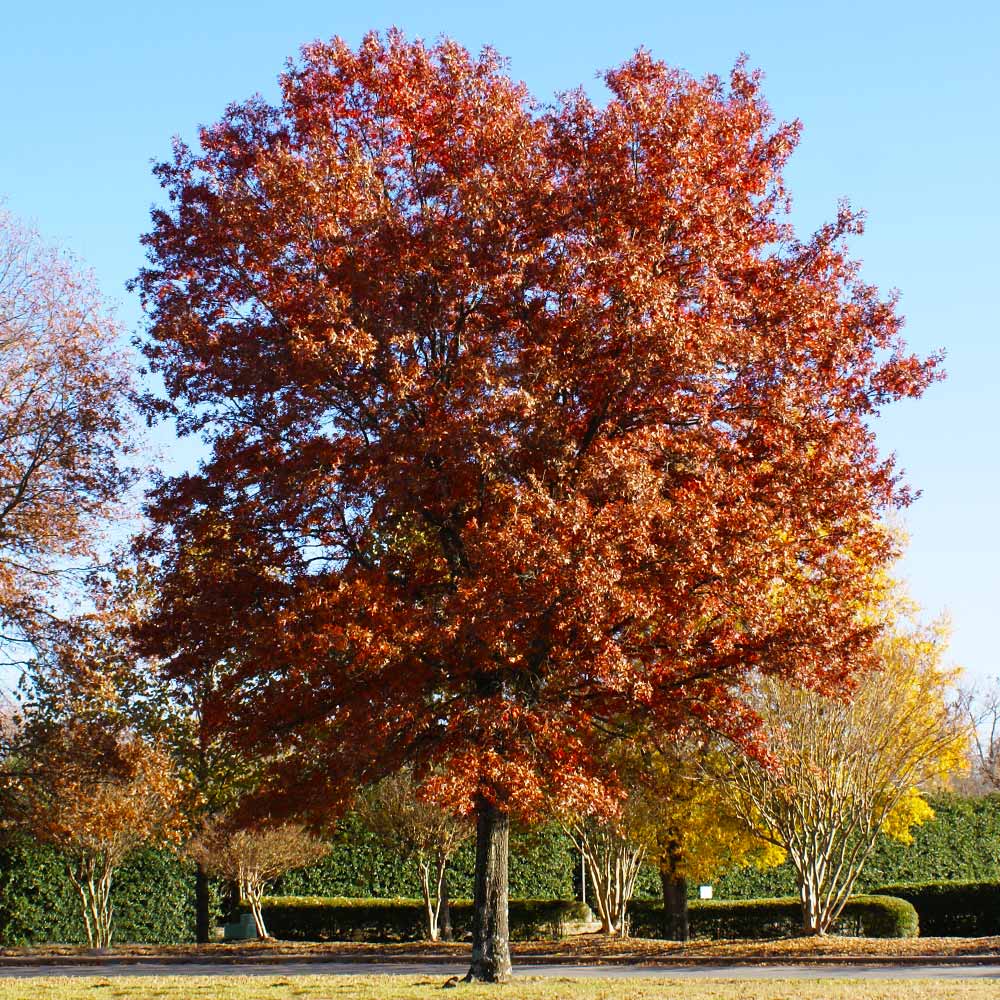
x,y
427,987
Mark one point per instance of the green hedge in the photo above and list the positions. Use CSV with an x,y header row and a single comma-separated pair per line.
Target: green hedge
x,y
152,894
719,919
543,865
316,918
952,909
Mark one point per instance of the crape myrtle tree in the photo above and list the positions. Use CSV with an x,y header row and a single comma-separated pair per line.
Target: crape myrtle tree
x,y
96,795
400,815
88,770
613,850
254,857
89,666
521,420
845,771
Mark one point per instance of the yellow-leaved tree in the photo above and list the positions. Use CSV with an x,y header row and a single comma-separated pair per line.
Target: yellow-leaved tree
x,y
843,771
674,813
689,827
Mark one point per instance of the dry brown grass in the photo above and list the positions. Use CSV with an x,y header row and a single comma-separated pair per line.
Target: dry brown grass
x,y
428,987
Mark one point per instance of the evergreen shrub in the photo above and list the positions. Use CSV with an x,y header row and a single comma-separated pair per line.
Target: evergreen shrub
x,y
757,919
952,909
316,918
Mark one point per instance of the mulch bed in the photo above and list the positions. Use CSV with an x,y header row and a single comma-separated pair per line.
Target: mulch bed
x,y
585,947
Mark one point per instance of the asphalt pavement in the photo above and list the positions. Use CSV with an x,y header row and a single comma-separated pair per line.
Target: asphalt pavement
x,y
425,970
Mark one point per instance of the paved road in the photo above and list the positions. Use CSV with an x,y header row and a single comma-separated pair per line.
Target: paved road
x,y
424,970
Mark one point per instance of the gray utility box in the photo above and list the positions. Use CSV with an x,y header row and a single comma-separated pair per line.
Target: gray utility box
x,y
243,930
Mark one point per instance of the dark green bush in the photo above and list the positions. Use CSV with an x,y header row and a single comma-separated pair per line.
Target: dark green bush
x,y
863,916
543,864
152,894
530,919
316,918
37,900
952,909
883,916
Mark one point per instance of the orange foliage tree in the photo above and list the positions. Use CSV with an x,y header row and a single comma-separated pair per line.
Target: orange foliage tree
x,y
520,416
96,796
65,426
92,775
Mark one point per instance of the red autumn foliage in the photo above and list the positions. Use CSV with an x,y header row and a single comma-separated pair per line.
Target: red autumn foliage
x,y
522,419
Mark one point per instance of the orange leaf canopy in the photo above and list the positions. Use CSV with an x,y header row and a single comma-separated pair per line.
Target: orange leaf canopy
x,y
524,420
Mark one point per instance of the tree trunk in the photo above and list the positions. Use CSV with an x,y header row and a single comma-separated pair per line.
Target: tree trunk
x,y
202,914
447,934
490,937
675,906
92,881
254,894
815,915
431,901
810,913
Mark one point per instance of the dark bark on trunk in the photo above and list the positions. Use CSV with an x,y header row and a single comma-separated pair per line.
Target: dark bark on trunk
x,y
490,937
203,917
444,920
675,910
675,906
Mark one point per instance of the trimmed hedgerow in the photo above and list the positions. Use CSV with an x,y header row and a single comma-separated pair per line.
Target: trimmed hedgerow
x,y
862,916
543,865
952,909
317,918
152,894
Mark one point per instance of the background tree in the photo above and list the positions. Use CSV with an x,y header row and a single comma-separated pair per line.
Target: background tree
x,y
981,708
691,831
96,796
674,813
254,857
842,771
65,428
613,853
88,667
217,775
522,419
398,811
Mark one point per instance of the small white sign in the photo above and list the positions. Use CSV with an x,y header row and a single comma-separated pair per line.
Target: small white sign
x,y
704,892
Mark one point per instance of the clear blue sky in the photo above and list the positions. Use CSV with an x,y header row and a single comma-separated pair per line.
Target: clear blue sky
x,y
899,103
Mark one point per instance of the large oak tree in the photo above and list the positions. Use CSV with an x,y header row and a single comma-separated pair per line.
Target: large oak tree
x,y
523,419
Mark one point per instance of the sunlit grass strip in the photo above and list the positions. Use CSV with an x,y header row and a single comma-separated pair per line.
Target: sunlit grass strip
x,y
425,987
